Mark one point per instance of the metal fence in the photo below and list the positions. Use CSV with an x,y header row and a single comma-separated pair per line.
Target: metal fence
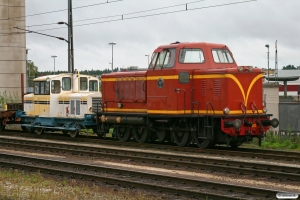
x,y
289,117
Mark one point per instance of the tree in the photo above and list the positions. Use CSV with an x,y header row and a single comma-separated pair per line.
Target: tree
x,y
32,71
289,67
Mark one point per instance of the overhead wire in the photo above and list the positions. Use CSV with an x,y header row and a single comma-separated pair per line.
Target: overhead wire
x,y
154,9
115,15
148,15
62,10
54,12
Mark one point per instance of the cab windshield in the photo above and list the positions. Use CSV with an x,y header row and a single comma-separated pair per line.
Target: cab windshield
x,y
222,56
163,59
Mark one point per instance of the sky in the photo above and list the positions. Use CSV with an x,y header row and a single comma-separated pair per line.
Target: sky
x,y
245,26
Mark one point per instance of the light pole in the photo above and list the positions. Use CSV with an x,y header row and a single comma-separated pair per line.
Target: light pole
x,y
28,70
268,61
54,56
28,77
112,54
148,58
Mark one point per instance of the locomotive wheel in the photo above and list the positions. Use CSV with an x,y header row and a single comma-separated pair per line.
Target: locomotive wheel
x,y
141,134
163,135
181,137
123,133
39,131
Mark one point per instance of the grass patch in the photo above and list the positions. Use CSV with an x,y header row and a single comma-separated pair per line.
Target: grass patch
x,y
289,141
20,185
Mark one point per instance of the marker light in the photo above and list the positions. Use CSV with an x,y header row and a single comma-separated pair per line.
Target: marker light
x,y
226,111
265,110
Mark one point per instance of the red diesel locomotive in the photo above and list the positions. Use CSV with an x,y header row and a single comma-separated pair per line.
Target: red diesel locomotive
x,y
190,93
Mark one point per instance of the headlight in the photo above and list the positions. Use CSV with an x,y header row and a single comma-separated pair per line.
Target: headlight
x,y
226,111
240,68
250,68
265,110
237,123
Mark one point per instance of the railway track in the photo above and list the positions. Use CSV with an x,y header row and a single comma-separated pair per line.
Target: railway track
x,y
182,186
265,154
269,171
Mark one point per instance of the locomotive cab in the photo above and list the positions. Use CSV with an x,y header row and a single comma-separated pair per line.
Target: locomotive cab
x,y
63,102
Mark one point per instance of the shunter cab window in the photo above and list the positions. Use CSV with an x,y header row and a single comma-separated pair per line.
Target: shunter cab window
x,y
41,87
55,86
163,59
66,83
83,83
191,56
222,56
93,85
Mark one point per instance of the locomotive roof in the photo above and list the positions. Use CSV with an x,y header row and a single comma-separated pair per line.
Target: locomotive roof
x,y
43,78
191,45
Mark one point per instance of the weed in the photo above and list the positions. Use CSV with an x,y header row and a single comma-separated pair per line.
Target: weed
x,y
16,184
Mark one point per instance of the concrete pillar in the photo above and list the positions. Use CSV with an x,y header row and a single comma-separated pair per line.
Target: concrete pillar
x,y
12,49
271,93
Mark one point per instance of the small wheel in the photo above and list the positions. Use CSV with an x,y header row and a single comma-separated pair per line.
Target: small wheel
x,y
39,131
65,132
141,134
74,133
24,129
29,129
123,133
2,127
234,145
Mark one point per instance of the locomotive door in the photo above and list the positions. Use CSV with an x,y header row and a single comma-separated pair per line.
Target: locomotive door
x,y
161,79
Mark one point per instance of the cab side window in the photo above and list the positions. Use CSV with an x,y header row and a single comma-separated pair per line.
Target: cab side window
x,y
222,56
93,85
191,56
66,83
83,83
41,87
36,87
164,59
55,86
